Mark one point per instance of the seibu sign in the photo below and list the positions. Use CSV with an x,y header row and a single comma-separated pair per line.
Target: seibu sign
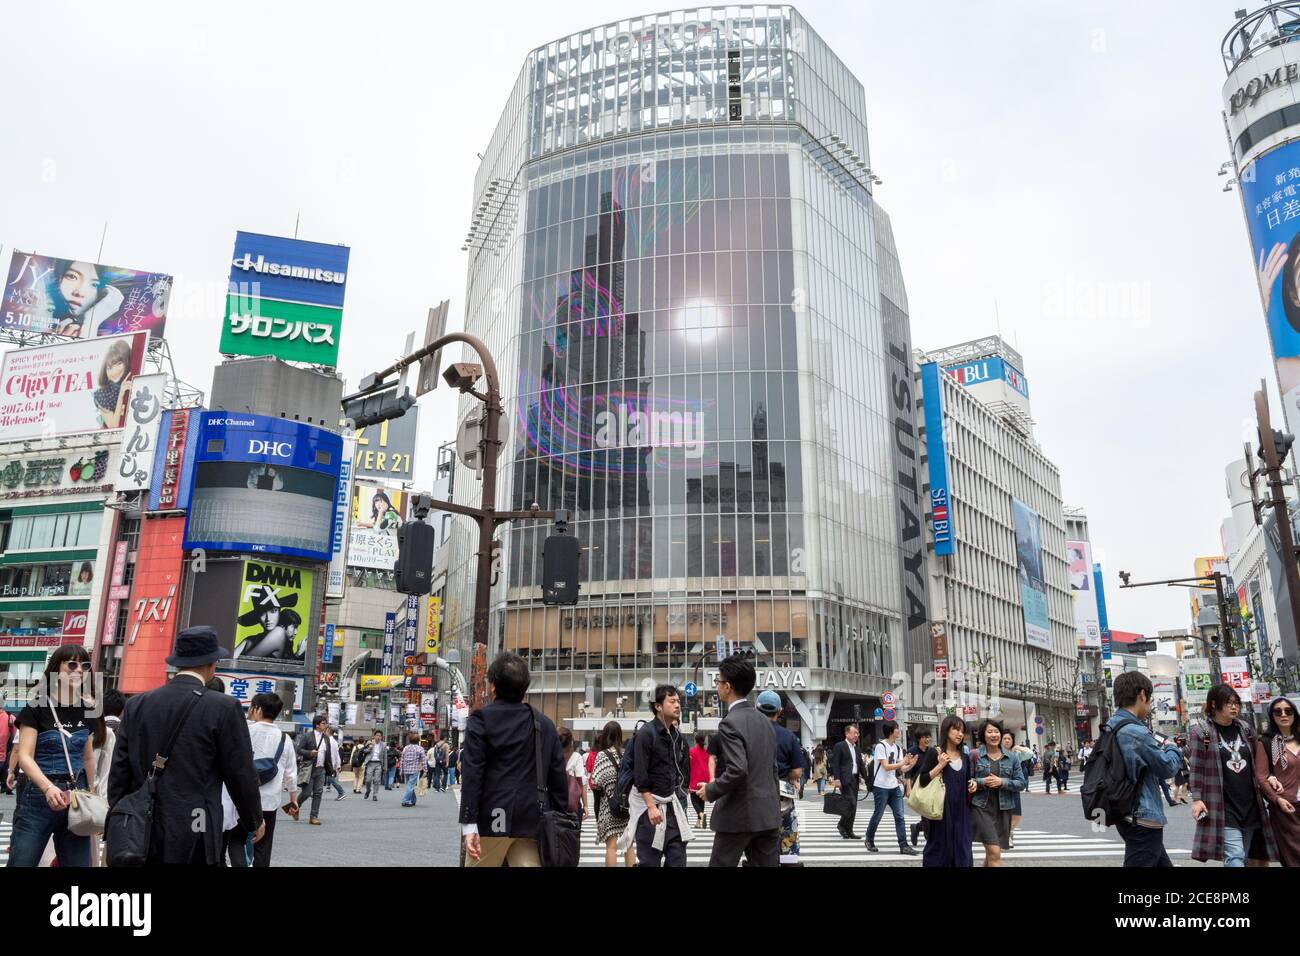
x,y
793,678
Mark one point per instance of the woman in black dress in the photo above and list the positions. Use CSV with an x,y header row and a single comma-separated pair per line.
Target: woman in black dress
x,y
948,840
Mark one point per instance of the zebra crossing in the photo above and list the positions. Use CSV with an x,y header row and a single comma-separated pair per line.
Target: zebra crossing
x,y
820,843
1038,785
6,837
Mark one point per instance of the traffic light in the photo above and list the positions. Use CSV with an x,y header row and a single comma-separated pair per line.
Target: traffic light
x,y
560,553
414,568
379,407
1282,441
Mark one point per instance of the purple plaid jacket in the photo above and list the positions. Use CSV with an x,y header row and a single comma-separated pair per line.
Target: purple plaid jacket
x,y
1206,784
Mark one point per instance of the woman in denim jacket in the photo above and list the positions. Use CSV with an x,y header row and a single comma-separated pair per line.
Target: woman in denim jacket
x,y
998,778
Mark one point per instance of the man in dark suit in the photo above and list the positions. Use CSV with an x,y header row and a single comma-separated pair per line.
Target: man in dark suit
x,y
746,804
847,769
499,813
321,751
211,749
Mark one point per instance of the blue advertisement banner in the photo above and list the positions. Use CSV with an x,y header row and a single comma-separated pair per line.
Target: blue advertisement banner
x,y
991,369
327,648
1029,566
1101,612
290,270
263,485
937,454
1270,194
390,636
412,621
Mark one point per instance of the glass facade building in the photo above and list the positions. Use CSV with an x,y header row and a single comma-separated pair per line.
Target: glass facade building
x,y
674,261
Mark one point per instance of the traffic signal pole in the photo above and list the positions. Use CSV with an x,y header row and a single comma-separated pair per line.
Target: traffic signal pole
x,y
1273,472
486,516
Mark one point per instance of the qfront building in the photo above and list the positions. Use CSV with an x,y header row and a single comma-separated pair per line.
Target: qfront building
x,y
701,327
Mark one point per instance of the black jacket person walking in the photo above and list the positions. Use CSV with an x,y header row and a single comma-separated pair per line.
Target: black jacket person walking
x,y
211,749
746,803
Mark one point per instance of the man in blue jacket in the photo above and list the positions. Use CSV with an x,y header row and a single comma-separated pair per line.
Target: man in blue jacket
x,y
1147,764
499,810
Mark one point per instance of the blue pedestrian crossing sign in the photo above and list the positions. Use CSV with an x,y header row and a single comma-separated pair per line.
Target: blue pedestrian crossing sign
x,y
879,713
690,689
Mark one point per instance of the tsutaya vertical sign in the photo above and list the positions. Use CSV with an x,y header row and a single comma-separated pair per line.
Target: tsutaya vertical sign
x,y
937,453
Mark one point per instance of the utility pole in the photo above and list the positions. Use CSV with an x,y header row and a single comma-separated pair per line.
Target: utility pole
x,y
1274,446
463,376
1215,579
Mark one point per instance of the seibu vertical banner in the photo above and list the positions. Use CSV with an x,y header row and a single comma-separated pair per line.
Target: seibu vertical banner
x,y
937,453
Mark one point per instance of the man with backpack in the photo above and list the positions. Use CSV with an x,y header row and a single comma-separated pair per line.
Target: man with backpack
x,y
1121,781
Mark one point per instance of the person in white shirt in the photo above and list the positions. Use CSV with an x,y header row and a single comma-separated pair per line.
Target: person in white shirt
x,y
886,790
267,741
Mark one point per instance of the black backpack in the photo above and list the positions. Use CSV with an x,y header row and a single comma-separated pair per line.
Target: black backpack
x,y
616,797
1108,794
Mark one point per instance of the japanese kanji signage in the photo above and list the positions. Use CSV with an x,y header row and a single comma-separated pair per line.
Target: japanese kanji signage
x,y
433,626
139,444
412,618
172,458
285,299
243,686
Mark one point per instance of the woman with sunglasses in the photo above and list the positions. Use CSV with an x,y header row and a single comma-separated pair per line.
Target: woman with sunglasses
x,y
55,716
1277,771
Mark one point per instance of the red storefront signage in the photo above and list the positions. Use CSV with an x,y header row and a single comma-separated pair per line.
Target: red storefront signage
x,y
74,626
116,595
171,474
154,607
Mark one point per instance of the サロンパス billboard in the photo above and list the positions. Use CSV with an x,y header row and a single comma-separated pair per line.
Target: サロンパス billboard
x,y
54,390
82,300
285,299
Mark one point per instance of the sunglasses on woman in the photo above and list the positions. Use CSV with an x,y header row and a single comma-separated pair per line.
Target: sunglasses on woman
x,y
78,665
1282,712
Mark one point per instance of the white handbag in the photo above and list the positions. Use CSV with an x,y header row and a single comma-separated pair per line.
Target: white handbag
x,y
87,810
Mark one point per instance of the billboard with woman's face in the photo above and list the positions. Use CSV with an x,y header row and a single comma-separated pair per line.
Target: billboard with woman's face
x,y
81,299
274,602
377,513
1270,192
66,389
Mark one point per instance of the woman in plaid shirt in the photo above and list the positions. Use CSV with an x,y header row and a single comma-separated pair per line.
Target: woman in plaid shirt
x,y
412,767
1236,827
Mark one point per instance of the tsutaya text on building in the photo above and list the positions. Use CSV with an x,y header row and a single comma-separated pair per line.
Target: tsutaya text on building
x,y
778,678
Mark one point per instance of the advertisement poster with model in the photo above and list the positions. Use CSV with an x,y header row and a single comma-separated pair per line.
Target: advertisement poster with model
x,y
274,601
82,300
1029,565
377,513
54,390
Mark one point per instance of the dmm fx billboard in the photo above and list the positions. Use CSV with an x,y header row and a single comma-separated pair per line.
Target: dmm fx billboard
x,y
937,454
1270,193
1087,627
263,485
285,299
1029,568
81,299
55,390
274,603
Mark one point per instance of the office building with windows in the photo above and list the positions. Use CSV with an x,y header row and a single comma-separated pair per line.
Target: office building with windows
x,y
694,301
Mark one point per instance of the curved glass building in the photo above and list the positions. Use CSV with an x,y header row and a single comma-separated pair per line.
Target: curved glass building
x,y
676,259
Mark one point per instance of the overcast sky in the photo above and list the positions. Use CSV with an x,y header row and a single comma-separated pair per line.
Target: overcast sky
x,y
1049,163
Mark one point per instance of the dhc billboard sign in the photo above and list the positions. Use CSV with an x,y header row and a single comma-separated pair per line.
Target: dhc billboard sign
x,y
937,454
264,485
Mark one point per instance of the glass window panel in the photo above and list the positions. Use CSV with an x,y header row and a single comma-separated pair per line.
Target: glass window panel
x,y
711,545
745,545
662,542
694,545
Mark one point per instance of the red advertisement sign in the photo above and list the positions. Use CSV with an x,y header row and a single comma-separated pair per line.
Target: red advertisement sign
x,y
74,626
116,595
154,606
171,475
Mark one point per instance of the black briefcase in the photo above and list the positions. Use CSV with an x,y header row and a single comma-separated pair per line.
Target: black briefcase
x,y
836,803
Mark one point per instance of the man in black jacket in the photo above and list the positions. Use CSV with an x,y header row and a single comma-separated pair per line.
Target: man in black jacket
x,y
661,774
746,804
212,748
847,768
499,810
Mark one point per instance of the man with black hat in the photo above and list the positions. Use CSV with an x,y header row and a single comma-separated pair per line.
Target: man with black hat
x,y
212,748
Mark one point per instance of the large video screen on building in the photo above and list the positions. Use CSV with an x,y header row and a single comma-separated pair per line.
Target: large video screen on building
x,y
263,485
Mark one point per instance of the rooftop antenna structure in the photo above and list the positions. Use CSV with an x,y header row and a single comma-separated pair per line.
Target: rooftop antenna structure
x,y
102,236
296,219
